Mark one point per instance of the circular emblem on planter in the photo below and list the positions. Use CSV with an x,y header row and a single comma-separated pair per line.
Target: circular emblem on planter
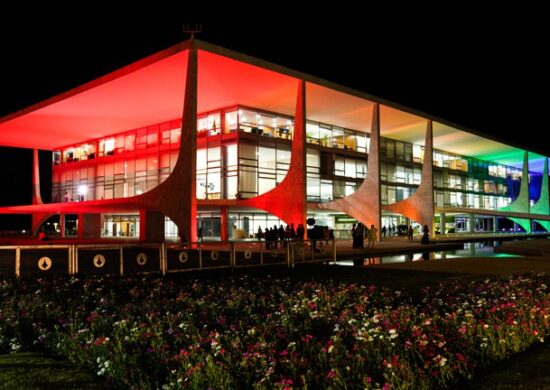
x,y
183,257
274,253
215,255
99,261
322,249
301,251
141,258
45,263
248,254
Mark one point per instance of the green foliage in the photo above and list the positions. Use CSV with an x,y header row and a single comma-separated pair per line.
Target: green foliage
x,y
274,333
26,371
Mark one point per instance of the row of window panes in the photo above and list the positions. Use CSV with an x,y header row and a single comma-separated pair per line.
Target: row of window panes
x,y
400,174
459,199
391,194
265,124
321,190
337,137
274,125
167,133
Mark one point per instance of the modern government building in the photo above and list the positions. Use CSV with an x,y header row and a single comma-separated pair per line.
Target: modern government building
x,y
201,136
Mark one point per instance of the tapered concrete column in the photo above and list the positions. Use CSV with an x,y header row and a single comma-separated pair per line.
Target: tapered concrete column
x,y
521,204
293,186
364,204
420,206
176,196
543,204
151,226
472,221
89,226
442,223
37,218
36,196
495,224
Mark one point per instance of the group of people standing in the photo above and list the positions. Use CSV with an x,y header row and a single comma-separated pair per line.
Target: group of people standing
x,y
280,236
359,232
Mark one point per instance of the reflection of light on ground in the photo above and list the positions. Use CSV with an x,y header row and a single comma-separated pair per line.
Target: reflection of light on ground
x,y
478,249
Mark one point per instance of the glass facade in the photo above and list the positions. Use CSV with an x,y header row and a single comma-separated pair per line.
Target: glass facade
x,y
244,152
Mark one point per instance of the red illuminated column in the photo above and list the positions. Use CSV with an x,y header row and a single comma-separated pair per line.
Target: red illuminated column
x,y
36,197
151,226
288,200
61,225
224,235
176,196
89,226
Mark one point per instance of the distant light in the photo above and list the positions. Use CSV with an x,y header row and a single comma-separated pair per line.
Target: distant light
x,y
139,192
82,189
23,231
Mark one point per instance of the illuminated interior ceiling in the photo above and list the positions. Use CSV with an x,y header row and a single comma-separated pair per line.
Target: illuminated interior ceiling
x,y
151,91
146,95
329,106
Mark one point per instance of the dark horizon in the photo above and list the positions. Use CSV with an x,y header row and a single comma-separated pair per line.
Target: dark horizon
x,y
473,75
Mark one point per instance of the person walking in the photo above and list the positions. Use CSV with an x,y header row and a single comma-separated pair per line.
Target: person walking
x,y
410,233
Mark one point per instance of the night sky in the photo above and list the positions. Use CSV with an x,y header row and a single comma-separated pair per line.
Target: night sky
x,y
483,70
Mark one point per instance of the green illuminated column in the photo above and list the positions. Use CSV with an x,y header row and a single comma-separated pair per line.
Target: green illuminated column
x,y
521,204
543,205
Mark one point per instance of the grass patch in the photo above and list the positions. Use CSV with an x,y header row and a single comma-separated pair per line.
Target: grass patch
x,y
28,371
524,371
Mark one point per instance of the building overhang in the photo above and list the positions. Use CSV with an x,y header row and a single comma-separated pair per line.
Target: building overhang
x,y
151,91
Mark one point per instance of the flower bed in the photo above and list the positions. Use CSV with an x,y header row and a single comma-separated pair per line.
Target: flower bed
x,y
150,332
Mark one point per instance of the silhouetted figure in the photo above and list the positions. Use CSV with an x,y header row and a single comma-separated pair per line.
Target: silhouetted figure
x,y
372,236
300,232
425,235
353,236
384,231
199,235
410,233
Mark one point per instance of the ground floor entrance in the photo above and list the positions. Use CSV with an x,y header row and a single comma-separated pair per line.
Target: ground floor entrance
x,y
124,225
